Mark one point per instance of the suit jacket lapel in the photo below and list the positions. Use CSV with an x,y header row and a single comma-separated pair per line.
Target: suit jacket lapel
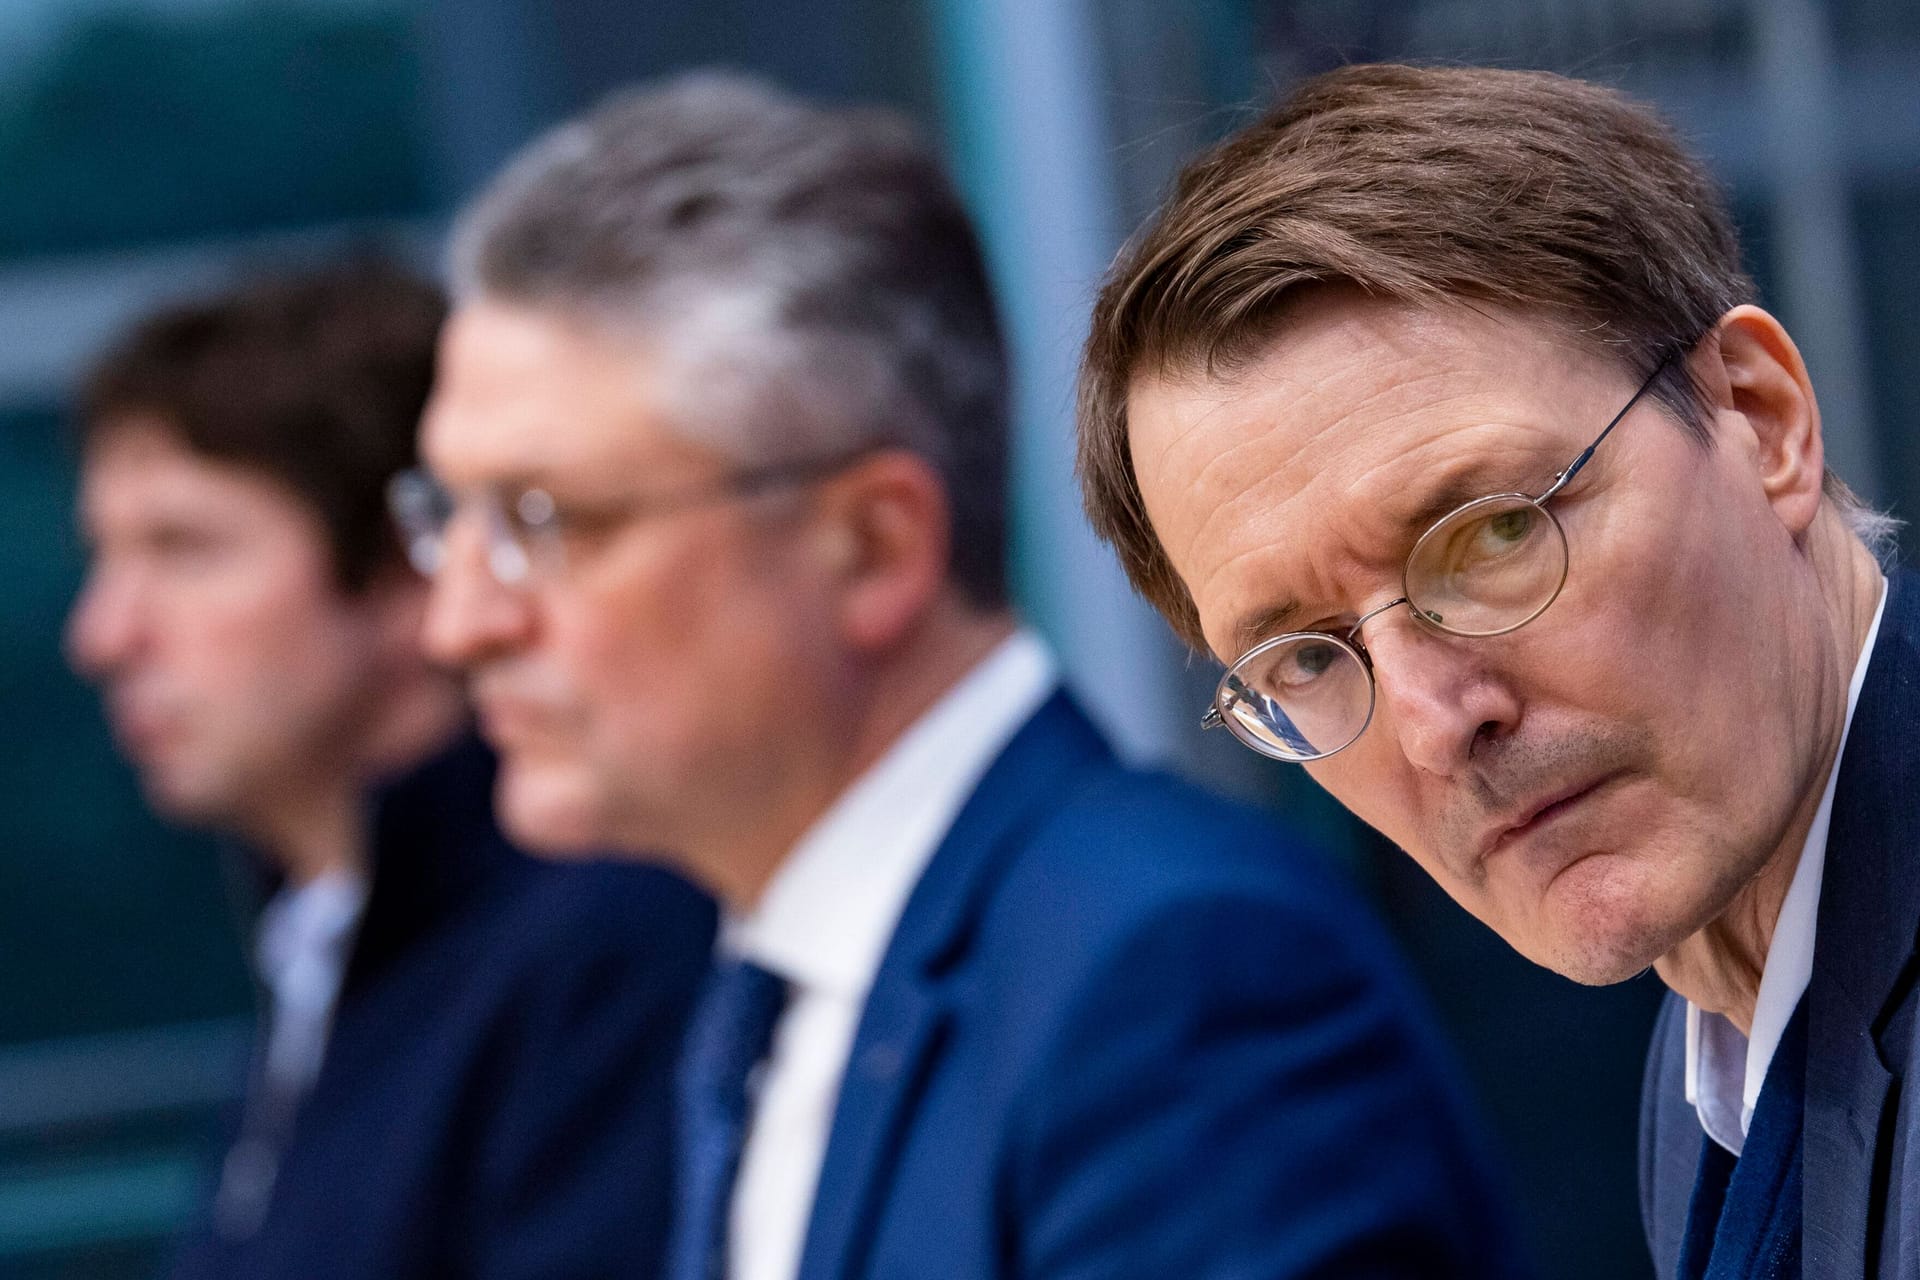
x,y
1746,1218
1865,940
907,1010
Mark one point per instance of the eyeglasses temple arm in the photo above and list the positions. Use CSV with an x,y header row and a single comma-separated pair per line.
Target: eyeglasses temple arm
x,y
1573,468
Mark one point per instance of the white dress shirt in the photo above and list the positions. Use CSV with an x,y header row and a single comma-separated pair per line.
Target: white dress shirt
x,y
824,923
305,935
1725,1070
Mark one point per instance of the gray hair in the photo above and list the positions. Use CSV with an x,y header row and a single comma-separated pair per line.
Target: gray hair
x,y
808,273
1879,530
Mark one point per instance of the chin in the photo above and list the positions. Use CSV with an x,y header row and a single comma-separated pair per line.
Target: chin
x,y
1599,965
1602,924
178,796
547,813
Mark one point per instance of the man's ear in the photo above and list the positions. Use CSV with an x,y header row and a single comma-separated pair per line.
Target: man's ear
x,y
1758,387
886,531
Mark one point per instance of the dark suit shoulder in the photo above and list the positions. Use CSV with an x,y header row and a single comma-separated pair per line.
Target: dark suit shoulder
x,y
566,906
1122,847
524,957
1136,891
1150,936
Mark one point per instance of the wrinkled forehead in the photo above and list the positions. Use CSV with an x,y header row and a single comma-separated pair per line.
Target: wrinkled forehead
x,y
1305,472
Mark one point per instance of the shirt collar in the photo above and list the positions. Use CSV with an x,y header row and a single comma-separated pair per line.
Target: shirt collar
x,y
309,924
1714,1060
826,917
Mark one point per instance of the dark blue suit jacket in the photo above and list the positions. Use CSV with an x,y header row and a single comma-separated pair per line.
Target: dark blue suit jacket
x,y
495,1097
1860,1199
1126,1030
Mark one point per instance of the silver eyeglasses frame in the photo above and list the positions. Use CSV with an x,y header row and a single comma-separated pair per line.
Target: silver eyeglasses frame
x,y
523,528
1230,689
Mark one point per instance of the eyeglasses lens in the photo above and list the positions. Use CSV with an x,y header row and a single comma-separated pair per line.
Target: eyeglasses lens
x,y
421,510
1299,697
1488,567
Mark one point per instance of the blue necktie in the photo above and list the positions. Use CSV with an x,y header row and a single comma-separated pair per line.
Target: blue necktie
x,y
731,1032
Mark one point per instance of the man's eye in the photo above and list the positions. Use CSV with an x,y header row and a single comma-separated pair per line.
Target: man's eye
x,y
587,523
181,544
1310,660
1511,526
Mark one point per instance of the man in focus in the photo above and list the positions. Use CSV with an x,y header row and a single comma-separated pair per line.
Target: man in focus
x,y
718,452
1436,405
465,1057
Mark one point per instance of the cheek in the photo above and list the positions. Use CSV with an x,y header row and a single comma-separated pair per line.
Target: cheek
x,y
649,647
1373,781
279,652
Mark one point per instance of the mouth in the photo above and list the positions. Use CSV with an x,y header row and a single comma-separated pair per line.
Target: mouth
x,y
139,729
1545,812
506,721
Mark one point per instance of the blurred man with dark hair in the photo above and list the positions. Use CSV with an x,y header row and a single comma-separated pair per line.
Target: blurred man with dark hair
x,y
465,1055
718,513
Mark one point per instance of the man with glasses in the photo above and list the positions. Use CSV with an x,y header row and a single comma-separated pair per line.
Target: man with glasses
x,y
465,1055
716,508
1435,404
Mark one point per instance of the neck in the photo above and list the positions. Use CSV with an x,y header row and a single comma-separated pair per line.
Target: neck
x,y
1719,968
888,697
317,825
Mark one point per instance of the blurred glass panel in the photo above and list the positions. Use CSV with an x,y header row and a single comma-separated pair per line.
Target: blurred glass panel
x,y
129,121
1887,213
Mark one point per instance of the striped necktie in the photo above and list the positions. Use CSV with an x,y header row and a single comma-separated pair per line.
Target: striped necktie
x,y
731,1033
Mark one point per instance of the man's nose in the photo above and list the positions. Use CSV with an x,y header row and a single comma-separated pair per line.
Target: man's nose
x,y
103,627
471,615
1437,695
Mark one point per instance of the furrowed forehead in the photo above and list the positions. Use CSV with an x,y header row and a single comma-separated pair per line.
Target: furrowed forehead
x,y
1301,482
1395,526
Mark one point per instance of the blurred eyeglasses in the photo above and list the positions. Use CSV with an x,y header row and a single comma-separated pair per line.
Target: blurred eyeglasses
x,y
1487,567
526,530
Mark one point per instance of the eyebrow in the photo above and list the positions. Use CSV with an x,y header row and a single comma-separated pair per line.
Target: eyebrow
x,y
1457,490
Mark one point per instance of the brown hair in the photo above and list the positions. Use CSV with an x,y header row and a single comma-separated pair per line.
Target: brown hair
x,y
1421,185
316,380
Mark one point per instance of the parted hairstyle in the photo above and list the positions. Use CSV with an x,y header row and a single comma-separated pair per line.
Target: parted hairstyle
x,y
1429,186
808,273
316,380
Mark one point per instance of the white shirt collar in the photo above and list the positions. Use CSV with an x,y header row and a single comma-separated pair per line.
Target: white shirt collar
x,y
1723,1065
303,924
305,935
825,919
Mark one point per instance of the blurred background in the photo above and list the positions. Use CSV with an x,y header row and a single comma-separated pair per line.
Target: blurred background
x,y
151,149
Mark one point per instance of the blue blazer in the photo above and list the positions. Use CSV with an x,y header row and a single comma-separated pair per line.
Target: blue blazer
x,y
1860,1143
495,1096
1126,1030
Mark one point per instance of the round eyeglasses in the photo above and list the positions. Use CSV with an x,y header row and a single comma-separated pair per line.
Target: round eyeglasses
x,y
1487,567
525,531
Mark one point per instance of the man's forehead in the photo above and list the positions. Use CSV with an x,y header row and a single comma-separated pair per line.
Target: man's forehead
x,y
524,395
145,459
1323,457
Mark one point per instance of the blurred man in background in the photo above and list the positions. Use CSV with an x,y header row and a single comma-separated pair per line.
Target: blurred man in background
x,y
719,449
1436,404
465,1056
